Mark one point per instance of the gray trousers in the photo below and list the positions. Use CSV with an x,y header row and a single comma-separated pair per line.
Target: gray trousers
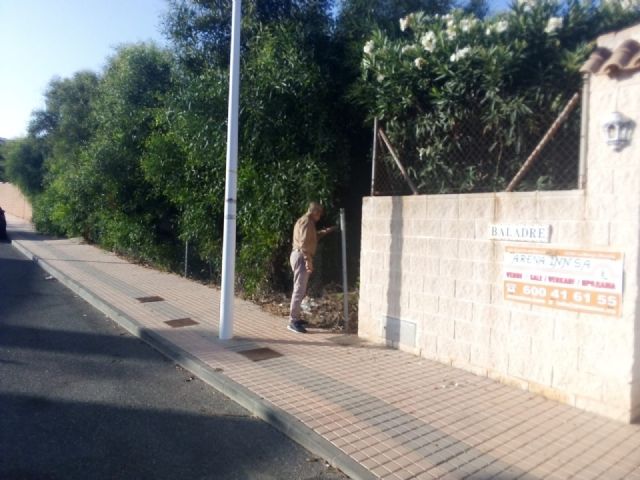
x,y
300,280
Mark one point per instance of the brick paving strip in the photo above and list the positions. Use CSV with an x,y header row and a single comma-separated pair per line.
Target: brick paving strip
x,y
373,412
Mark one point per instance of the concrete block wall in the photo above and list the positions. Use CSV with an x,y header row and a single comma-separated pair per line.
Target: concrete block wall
x,y
14,202
431,283
431,279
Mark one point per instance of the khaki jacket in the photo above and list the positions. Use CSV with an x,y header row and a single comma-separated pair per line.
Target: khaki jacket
x,y
305,237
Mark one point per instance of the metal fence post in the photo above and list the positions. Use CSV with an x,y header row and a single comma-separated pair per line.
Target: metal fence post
x,y
374,156
186,258
584,132
345,290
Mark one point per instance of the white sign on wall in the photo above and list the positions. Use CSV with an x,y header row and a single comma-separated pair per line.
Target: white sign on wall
x,y
512,232
578,280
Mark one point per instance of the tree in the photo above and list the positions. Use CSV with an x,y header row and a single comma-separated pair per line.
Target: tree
x,y
288,152
200,29
2,159
95,130
66,122
124,212
64,128
23,167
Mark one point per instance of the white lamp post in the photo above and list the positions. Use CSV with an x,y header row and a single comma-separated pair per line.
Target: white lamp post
x,y
229,242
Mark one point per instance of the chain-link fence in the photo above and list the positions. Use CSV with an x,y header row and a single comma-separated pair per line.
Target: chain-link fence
x,y
543,153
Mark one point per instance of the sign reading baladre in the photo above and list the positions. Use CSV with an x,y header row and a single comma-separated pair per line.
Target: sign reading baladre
x,y
520,232
577,280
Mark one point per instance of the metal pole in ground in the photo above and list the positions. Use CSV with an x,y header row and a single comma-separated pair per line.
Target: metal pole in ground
x,y
584,131
186,258
345,291
229,242
374,156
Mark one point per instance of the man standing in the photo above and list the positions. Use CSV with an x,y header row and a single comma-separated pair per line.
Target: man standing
x,y
305,243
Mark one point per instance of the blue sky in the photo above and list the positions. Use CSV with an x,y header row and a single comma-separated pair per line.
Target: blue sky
x,y
44,38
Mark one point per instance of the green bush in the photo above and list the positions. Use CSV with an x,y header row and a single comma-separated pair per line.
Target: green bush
x,y
465,100
286,158
23,164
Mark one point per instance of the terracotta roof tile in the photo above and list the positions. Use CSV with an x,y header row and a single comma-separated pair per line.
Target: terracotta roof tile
x,y
624,58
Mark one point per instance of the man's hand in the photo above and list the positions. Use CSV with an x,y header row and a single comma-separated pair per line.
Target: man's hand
x,y
309,265
326,231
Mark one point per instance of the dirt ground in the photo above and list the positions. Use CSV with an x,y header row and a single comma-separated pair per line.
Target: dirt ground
x,y
324,312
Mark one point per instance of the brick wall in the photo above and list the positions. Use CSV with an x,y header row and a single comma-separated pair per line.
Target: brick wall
x,y
431,280
12,200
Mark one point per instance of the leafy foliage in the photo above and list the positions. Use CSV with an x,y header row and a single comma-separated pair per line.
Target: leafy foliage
x,y
2,160
465,100
287,155
23,164
133,157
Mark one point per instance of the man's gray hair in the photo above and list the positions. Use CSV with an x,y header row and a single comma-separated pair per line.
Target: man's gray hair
x,y
315,207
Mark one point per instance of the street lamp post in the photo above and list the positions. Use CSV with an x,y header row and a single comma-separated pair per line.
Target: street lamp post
x,y
229,242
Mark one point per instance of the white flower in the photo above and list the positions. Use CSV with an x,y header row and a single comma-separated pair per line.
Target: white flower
x,y
368,47
527,4
428,41
419,63
405,23
624,4
451,34
498,27
502,26
553,24
380,77
466,24
628,4
459,54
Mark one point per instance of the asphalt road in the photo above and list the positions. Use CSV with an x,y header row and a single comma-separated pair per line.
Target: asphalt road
x,y
82,399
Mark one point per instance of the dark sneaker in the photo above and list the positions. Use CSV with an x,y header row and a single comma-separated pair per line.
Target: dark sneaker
x,y
296,327
304,323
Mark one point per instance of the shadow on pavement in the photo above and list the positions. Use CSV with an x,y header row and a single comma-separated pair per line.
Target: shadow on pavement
x,y
73,342
16,281
96,441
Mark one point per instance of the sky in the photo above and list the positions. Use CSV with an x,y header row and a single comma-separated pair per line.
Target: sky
x,y
45,38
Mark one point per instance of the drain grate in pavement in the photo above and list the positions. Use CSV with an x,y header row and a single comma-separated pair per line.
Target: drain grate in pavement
x,y
347,340
153,298
181,322
258,354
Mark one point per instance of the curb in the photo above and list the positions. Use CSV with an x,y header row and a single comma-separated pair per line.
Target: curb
x,y
258,406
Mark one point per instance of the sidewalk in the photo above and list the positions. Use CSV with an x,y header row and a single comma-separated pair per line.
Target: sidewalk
x,y
371,411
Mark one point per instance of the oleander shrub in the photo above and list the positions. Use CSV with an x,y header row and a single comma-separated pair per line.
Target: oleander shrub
x,y
465,100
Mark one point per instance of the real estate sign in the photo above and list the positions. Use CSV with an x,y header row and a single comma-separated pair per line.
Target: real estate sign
x,y
578,280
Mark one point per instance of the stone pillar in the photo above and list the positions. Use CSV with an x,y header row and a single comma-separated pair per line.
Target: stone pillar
x,y
613,194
